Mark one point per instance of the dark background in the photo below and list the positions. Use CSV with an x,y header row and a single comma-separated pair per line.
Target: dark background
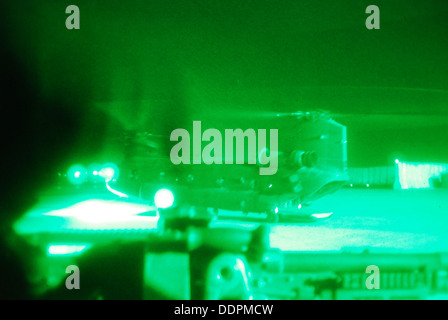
x,y
153,65
150,64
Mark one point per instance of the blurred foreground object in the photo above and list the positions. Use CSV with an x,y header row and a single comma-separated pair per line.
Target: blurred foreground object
x,y
141,253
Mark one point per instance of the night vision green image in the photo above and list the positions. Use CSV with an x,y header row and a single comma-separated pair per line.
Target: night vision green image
x,y
224,150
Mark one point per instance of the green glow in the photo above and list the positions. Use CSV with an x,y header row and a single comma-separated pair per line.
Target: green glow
x,y
65,249
164,198
93,173
109,171
77,174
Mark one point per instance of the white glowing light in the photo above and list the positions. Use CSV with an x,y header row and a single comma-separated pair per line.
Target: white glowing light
x,y
104,211
107,173
163,198
322,215
118,193
65,249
